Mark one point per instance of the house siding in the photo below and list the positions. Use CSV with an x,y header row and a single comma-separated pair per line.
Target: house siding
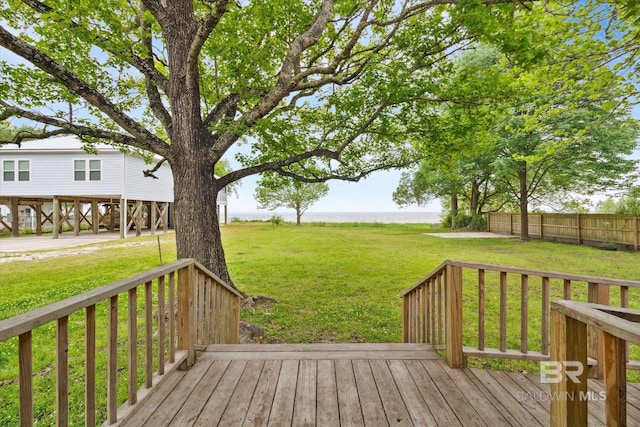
x,y
139,187
53,174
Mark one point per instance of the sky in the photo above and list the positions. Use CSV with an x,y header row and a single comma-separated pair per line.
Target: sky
x,y
372,194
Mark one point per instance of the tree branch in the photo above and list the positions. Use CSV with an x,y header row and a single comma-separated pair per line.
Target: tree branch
x,y
149,172
143,66
79,87
73,129
276,164
224,108
155,100
205,28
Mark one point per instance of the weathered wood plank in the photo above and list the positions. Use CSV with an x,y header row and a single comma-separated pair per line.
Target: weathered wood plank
x,y
436,402
112,361
324,355
260,407
350,410
484,393
459,404
327,404
219,399
372,409
283,401
236,411
304,409
538,409
517,411
417,407
191,394
392,402
132,364
307,348
491,414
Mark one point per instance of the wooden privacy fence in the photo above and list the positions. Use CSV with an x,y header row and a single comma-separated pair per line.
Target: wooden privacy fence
x,y
571,322
591,229
508,307
182,306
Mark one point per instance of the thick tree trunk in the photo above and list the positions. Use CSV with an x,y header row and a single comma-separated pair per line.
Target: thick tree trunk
x,y
475,198
454,210
195,187
298,216
524,203
196,218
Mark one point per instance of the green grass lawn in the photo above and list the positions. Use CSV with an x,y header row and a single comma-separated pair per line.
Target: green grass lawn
x,y
328,282
324,282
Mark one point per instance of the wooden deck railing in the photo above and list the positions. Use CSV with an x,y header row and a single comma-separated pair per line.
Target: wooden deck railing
x,y
571,321
509,308
201,310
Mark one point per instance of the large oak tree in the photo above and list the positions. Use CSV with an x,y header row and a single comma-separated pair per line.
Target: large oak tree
x,y
293,79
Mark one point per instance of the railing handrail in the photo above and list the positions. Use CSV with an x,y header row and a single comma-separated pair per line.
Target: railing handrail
x,y
429,310
201,308
427,277
526,271
616,327
22,323
613,320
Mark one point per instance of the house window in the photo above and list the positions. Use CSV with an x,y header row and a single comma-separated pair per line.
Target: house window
x,y
9,170
80,171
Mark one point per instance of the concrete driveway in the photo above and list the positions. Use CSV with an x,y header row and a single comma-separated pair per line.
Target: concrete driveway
x,y
65,240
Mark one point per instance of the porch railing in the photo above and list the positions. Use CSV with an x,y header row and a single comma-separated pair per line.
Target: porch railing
x,y
571,321
482,310
182,306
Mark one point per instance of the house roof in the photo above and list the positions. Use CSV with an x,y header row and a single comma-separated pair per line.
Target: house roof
x,y
60,144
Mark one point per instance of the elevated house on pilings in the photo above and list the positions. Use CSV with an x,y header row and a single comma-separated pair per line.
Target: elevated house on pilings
x,y
55,184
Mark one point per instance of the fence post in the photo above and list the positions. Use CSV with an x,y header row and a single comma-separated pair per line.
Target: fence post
x,y
568,344
597,294
186,314
579,226
636,234
453,317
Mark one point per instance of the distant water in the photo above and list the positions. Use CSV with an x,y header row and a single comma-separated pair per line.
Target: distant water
x,y
380,217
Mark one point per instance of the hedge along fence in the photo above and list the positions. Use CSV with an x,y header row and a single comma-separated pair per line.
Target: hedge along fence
x,y
621,231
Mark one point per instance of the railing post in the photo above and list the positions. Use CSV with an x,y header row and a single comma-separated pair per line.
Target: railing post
x,y
597,294
568,354
186,315
405,319
453,315
615,379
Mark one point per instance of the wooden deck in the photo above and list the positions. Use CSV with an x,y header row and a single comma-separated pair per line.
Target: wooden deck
x,y
350,385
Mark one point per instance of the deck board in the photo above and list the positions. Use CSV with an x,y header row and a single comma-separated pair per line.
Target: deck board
x,y
349,385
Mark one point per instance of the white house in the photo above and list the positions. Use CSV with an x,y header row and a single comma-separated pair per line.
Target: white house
x,y
91,189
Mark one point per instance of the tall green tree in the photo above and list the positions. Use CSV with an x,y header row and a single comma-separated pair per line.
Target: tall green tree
x,y
275,191
457,164
190,79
